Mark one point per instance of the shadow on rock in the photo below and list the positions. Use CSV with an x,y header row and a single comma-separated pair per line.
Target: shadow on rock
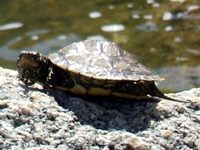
x,y
109,113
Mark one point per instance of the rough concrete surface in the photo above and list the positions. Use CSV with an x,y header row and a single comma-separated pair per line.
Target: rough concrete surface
x,y
32,119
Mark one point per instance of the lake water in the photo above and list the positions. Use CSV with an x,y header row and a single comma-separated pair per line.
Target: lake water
x,y
163,35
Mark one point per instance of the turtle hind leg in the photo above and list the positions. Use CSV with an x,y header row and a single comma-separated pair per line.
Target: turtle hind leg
x,y
155,92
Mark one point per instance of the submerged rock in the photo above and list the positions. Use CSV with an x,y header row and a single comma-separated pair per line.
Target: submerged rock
x,y
32,118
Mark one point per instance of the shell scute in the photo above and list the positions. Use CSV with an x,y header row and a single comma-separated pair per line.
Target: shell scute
x,y
101,60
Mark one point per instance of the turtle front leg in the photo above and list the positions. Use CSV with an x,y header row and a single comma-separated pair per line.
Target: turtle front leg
x,y
58,79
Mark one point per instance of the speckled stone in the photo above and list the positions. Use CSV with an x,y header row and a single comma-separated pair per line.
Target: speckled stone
x,y
32,118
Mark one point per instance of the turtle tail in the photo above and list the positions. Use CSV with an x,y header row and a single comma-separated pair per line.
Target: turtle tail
x,y
156,93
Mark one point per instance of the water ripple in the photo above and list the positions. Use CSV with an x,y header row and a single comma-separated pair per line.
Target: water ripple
x,y
113,28
13,25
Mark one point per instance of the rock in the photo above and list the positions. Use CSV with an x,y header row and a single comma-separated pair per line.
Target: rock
x,y
32,118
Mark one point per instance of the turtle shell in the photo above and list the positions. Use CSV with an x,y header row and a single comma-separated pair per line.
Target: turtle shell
x,y
101,60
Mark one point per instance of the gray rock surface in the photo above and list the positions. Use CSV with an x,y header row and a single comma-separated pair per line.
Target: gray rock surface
x,y
33,119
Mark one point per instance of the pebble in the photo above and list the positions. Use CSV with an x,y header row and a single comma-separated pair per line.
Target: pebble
x,y
167,134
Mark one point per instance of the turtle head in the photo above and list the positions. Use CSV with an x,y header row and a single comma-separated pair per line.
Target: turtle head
x,y
32,67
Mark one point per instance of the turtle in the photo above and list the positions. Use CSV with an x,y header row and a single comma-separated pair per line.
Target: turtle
x,y
93,68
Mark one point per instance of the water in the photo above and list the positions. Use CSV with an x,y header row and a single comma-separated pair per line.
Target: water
x,y
164,36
